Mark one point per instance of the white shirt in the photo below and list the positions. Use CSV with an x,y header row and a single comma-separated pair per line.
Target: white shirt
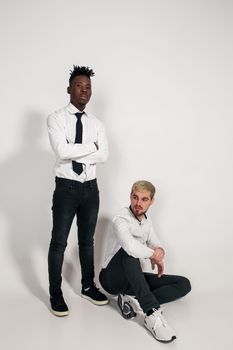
x,y
136,237
62,131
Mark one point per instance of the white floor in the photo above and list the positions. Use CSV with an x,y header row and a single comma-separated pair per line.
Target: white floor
x,y
200,321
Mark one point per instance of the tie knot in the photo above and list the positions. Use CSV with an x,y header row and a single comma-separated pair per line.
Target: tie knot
x,y
79,115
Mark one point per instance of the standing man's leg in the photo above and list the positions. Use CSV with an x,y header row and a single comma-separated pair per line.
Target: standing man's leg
x,y
86,220
63,209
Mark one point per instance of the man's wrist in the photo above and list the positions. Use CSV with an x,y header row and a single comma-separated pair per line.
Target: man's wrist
x,y
161,248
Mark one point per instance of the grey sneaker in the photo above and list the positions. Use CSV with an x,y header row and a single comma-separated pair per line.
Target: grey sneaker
x,y
159,327
133,301
126,307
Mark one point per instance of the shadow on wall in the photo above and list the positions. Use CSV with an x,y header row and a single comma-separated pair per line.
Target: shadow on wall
x,y
26,190
102,229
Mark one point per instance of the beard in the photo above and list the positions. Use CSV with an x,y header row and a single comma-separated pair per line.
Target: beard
x,y
138,211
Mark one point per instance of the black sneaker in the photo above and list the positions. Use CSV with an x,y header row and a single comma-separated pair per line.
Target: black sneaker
x,y
127,310
94,295
58,306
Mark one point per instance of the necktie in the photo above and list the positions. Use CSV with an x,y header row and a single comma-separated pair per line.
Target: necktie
x,y
77,167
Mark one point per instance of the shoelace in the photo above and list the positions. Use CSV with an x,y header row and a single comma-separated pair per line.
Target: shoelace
x,y
159,319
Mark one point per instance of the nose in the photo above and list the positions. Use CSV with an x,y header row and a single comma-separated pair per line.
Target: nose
x,y
83,89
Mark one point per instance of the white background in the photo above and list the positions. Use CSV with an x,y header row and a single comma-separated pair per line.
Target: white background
x,y
163,88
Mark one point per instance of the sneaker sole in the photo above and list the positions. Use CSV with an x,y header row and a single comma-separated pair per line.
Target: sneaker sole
x,y
95,302
128,316
158,339
59,313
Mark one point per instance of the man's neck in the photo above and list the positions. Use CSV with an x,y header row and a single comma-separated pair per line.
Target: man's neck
x,y
79,106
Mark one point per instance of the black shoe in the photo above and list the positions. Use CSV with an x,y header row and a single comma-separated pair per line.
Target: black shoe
x,y
127,310
94,295
58,306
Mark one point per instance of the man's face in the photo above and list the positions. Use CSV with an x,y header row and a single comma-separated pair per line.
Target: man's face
x,y
140,202
80,91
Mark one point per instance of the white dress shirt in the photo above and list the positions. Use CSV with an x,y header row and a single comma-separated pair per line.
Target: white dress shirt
x,y
62,131
136,237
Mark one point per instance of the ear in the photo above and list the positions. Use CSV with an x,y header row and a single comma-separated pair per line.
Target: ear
x,y
68,90
153,200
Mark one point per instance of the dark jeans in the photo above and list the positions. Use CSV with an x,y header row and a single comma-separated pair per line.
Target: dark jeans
x,y
124,275
72,198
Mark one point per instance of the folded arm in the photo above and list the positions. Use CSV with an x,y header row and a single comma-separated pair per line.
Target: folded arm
x,y
101,153
60,145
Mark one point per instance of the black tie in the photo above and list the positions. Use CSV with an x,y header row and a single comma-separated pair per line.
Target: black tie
x,y
77,167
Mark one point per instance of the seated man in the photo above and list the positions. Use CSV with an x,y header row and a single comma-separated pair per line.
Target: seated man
x,y
132,241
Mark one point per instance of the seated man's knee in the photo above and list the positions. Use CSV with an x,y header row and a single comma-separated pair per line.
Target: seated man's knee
x,y
186,285
130,260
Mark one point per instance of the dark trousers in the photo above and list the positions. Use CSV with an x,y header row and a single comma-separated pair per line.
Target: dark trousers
x,y
124,275
72,198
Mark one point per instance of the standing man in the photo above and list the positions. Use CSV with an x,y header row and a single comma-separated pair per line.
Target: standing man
x,y
79,142
132,243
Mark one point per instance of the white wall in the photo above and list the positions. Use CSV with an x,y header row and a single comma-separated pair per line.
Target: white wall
x,y
163,88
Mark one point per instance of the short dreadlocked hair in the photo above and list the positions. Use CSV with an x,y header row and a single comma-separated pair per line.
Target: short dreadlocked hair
x,y
80,70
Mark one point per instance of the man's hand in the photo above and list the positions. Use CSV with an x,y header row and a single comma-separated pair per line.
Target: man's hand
x,y
157,259
160,266
153,263
158,254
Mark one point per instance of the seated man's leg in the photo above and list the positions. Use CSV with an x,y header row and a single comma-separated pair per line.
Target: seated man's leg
x,y
124,275
168,287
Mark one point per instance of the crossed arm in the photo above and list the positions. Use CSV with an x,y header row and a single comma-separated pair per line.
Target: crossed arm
x,y
88,153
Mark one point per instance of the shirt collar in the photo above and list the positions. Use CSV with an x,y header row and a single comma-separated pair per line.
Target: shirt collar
x,y
72,109
143,219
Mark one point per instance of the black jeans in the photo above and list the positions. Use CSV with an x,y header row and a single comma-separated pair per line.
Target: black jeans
x,y
72,198
124,275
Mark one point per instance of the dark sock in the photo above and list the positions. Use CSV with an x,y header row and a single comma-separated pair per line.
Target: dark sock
x,y
150,312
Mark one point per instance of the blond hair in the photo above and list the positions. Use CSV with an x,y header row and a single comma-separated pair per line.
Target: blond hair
x,y
144,186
